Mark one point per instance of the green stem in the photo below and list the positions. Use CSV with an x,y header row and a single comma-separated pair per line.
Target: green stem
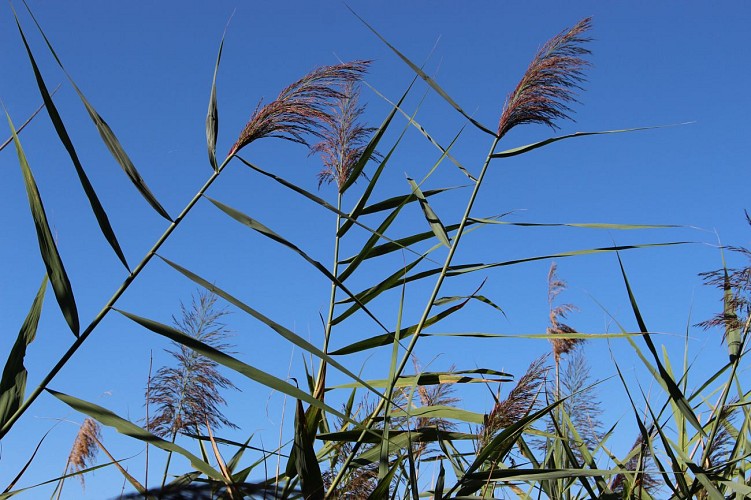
x,y
110,303
425,314
320,388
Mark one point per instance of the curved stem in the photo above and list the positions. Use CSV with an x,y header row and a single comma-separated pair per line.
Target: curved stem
x,y
111,302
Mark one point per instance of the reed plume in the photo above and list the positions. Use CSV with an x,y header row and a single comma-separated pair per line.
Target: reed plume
x,y
550,81
521,400
303,108
187,396
82,454
557,313
343,138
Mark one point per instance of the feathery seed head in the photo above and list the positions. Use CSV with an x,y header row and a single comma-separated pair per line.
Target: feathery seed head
x,y
343,138
303,107
549,82
85,447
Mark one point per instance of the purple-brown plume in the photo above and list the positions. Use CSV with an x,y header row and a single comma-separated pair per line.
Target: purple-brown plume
x,y
303,107
549,82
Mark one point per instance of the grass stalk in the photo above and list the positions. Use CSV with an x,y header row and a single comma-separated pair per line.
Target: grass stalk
x,y
320,388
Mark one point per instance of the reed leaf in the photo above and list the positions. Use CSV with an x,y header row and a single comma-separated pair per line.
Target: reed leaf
x,y
252,373
107,135
13,382
279,329
47,247
666,380
430,81
106,417
212,115
62,133
267,232
435,223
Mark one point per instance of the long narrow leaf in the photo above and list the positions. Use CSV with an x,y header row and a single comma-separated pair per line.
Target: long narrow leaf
x,y
535,145
673,390
257,226
435,223
281,330
107,135
96,206
13,383
426,78
106,417
47,247
235,364
212,115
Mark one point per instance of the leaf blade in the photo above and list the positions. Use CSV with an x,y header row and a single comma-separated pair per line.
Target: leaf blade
x,y
47,247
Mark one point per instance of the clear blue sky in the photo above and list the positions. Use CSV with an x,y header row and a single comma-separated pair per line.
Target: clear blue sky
x,y
147,68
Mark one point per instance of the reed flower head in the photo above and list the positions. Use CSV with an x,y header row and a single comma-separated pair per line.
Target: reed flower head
x,y
521,400
187,396
85,447
557,313
303,108
343,138
549,82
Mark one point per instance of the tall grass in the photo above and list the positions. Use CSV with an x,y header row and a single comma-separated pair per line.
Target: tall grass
x,y
540,436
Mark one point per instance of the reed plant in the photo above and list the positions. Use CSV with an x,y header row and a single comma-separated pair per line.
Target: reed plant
x,y
359,437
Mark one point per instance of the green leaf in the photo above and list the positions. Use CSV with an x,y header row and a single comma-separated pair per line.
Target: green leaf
x,y
427,79
306,463
436,378
106,417
535,145
53,263
108,136
13,383
281,330
360,205
212,115
441,411
383,487
435,223
388,338
265,231
665,379
369,150
96,206
235,364
438,494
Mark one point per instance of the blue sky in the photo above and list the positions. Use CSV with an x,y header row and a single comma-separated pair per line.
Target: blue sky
x,y
147,69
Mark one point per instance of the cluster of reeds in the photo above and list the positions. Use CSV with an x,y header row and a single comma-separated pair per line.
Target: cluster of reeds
x,y
408,433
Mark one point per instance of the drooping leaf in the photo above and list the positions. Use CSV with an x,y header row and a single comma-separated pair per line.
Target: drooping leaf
x,y
665,379
235,364
269,233
107,135
427,79
281,330
13,383
47,247
529,147
96,206
108,418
